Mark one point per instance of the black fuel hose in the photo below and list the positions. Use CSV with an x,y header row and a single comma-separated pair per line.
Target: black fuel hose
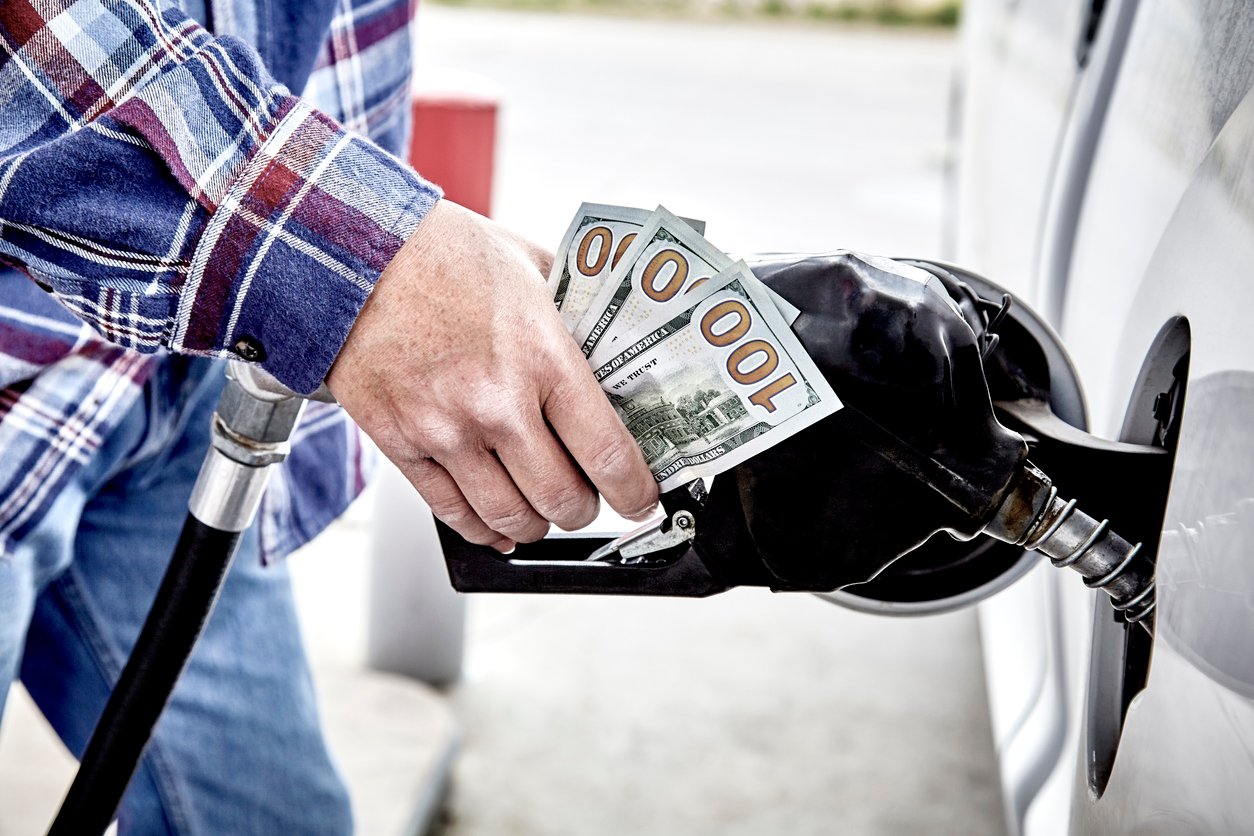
x,y
178,615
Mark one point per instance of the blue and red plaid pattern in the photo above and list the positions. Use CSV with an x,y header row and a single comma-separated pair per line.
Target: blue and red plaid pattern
x,y
173,195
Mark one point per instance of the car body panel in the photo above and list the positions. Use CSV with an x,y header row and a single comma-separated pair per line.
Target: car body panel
x,y
1017,87
1146,215
1185,763
1016,90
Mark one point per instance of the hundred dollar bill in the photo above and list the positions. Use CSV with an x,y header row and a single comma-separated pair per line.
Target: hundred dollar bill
x,y
593,244
662,311
666,259
716,384
652,281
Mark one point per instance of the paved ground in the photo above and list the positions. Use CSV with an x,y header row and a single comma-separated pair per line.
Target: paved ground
x,y
777,137
748,713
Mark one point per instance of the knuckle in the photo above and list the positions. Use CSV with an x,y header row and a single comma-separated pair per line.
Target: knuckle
x,y
614,456
517,520
564,397
480,536
420,470
442,438
571,505
465,522
456,515
487,409
425,428
499,417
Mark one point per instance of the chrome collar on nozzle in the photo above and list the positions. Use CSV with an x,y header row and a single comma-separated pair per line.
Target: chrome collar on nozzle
x,y
1035,517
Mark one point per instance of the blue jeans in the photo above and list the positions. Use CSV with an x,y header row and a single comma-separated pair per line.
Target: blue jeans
x,y
239,750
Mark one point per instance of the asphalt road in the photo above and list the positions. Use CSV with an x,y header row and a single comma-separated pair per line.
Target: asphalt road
x,y
748,713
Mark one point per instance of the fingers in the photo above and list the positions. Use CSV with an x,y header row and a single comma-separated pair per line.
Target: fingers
x,y
514,491
595,436
449,504
496,498
510,495
548,478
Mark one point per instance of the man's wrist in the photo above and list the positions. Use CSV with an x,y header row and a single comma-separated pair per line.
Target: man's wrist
x,y
293,252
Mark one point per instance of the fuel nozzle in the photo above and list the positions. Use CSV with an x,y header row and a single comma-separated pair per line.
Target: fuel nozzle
x,y
919,489
1035,517
946,398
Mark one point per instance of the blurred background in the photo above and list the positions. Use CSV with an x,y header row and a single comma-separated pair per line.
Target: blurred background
x,y
785,126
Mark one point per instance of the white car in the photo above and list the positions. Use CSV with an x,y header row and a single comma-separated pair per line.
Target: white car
x,y
1106,175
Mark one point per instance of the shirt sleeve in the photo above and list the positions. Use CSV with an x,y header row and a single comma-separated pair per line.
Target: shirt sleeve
x,y
171,194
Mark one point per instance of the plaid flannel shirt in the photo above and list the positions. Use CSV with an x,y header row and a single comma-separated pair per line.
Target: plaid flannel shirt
x,y
164,187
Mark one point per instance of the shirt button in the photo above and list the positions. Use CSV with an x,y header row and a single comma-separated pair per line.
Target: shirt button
x,y
249,349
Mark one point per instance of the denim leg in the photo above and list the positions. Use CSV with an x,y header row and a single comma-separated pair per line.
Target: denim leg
x,y
49,548
41,556
239,749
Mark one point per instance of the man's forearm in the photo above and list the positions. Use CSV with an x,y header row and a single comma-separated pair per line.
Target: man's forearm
x,y
173,195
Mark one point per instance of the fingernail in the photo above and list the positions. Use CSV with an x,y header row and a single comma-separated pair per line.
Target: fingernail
x,y
505,546
641,516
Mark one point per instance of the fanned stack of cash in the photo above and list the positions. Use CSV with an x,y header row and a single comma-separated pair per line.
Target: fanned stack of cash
x,y
696,354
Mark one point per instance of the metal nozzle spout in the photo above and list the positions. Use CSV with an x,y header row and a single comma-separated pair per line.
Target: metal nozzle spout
x,y
1035,517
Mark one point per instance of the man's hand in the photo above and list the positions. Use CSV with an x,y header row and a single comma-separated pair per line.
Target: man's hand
x,y
460,370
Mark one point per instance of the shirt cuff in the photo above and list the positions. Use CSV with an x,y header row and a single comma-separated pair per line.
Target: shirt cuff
x,y
294,249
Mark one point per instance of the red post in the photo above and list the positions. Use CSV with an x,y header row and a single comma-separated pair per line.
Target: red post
x,y
454,142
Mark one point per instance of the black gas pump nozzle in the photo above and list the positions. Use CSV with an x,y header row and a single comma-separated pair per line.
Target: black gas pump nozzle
x,y
946,389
